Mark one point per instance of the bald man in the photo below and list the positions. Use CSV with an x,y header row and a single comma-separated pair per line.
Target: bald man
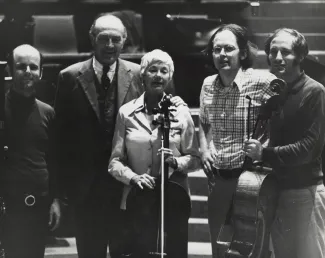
x,y
28,180
88,97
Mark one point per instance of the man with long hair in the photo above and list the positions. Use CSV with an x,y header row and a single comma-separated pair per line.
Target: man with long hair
x,y
223,117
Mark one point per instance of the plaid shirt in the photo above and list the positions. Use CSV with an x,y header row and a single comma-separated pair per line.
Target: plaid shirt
x,y
225,109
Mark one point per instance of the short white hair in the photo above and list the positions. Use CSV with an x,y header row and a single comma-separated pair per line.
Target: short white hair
x,y
156,56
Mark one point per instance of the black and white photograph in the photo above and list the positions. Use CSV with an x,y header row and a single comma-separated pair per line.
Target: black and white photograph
x,y
162,128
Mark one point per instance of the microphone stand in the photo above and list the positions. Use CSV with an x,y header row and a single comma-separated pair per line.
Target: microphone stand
x,y
164,121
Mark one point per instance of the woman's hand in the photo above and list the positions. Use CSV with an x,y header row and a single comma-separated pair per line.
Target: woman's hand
x,y
169,157
143,180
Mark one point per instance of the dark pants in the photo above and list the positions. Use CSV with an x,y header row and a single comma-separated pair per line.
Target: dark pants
x,y
145,239
177,237
219,205
91,230
97,217
25,228
143,213
97,226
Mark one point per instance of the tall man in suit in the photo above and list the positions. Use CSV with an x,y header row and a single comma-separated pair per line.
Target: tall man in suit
x,y
88,97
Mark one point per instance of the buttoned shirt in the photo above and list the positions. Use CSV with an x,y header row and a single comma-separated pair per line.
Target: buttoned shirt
x,y
98,68
136,144
225,109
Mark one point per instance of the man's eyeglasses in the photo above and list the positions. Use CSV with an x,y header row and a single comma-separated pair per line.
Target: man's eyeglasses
x,y
227,49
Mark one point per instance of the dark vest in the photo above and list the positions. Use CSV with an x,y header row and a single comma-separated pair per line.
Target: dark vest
x,y
107,101
103,185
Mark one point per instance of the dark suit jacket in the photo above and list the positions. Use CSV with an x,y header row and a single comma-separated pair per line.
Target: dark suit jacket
x,y
82,159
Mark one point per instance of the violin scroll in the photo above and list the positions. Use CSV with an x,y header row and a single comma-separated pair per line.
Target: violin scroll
x,y
164,105
164,108
278,86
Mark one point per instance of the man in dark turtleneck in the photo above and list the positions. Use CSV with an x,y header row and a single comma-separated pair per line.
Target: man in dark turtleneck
x,y
297,137
28,182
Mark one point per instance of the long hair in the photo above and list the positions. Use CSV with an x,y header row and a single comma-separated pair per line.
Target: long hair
x,y
244,44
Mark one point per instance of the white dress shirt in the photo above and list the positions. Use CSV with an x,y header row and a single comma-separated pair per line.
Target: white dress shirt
x,y
98,68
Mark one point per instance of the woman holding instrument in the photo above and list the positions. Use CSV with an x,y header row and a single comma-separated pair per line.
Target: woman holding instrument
x,y
223,117
136,162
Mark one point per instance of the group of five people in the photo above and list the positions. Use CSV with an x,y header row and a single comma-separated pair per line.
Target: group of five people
x,y
99,142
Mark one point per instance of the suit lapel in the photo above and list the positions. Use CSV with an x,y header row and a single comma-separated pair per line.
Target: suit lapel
x,y
124,77
87,82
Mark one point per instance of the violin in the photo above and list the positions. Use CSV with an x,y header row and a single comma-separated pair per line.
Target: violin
x,y
256,196
157,212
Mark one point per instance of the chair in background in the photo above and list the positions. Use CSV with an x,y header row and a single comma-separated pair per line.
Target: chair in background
x,y
133,24
54,35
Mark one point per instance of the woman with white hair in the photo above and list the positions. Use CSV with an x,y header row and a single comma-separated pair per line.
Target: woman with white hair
x,y
135,159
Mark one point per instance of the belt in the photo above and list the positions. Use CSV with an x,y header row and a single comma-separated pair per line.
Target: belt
x,y
26,200
227,173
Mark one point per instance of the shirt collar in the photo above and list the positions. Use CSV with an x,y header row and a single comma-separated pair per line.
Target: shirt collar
x,y
239,79
98,67
139,104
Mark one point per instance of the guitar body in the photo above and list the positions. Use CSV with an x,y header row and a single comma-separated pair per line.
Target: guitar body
x,y
253,212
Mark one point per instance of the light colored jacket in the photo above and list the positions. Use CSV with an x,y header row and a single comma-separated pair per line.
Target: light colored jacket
x,y
136,144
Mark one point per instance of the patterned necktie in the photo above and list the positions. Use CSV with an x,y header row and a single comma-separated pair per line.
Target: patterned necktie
x,y
106,83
